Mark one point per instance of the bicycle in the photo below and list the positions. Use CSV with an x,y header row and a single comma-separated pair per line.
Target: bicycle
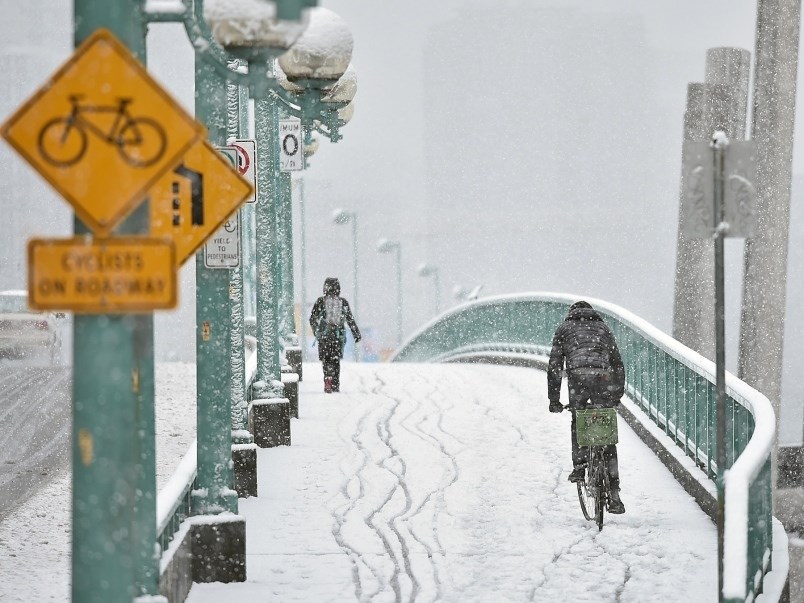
x,y
141,141
596,428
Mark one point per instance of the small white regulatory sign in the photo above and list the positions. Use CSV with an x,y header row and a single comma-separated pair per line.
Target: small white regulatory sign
x,y
222,249
247,163
291,149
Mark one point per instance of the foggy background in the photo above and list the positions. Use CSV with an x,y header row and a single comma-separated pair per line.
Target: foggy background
x,y
528,145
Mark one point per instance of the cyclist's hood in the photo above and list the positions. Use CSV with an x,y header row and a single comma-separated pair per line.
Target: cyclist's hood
x,y
582,311
332,286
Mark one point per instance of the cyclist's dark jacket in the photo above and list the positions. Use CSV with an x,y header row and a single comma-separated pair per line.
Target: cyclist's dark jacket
x,y
584,341
331,341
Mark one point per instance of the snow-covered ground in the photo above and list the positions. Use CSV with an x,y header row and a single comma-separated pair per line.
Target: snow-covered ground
x,y
417,482
35,538
426,483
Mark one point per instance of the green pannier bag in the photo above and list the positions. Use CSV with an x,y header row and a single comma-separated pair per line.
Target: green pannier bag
x,y
596,426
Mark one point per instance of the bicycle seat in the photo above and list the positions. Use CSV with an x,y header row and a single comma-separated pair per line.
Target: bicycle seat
x,y
124,100
75,97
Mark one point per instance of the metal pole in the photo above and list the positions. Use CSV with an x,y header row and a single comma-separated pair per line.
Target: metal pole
x,y
284,209
303,250
437,282
213,336
399,294
355,351
267,132
720,356
113,491
238,360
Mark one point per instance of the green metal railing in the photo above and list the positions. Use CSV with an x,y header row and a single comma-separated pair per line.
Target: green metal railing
x,y
174,503
672,384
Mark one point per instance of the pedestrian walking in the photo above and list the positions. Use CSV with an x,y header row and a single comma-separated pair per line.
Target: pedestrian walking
x,y
330,314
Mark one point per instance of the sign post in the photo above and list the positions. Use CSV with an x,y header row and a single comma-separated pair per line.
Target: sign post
x,y
717,202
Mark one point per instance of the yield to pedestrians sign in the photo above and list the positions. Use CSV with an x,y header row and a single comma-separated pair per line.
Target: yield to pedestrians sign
x,y
101,131
291,149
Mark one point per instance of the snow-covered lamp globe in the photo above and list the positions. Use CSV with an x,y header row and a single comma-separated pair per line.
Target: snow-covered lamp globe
x,y
322,53
346,114
312,146
250,29
344,90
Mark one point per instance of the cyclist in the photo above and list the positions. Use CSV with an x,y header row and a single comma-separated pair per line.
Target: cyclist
x,y
327,318
595,378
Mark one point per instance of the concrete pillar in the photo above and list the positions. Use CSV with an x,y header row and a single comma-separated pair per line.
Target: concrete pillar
x,y
720,103
764,286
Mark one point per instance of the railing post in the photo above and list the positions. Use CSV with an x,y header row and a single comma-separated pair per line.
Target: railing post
x,y
114,503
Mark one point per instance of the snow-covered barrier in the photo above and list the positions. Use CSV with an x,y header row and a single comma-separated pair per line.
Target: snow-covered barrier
x,y
174,509
674,390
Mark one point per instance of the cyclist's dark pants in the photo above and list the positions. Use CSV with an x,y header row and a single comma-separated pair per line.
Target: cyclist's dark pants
x,y
587,391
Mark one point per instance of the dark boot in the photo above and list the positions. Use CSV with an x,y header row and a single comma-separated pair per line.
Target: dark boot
x,y
616,506
577,474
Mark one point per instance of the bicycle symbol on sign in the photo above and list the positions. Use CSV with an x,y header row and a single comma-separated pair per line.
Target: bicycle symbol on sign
x,y
141,141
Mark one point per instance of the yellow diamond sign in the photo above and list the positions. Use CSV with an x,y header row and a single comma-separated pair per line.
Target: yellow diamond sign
x,y
190,202
102,132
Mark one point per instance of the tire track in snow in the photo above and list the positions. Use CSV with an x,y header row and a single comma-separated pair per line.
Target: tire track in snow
x,y
340,517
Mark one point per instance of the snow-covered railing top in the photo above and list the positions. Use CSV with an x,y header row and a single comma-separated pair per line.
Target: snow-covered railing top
x,y
673,384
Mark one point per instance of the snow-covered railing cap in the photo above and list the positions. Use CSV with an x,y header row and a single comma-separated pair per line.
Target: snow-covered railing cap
x,y
346,114
323,51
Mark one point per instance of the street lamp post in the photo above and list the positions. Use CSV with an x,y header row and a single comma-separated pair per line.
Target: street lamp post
x,y
425,270
386,246
342,216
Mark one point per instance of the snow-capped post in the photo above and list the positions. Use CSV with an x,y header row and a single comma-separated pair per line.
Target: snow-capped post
x,y
718,201
718,104
765,259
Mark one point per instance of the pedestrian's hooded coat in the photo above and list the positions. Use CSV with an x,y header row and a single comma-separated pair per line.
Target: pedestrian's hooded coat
x,y
583,341
331,341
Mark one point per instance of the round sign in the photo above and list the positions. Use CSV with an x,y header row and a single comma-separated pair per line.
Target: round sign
x,y
243,159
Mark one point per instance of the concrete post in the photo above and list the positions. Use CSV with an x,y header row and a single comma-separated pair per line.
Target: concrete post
x,y
764,287
718,104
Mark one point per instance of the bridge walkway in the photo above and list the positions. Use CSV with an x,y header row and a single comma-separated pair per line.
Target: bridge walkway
x,y
448,483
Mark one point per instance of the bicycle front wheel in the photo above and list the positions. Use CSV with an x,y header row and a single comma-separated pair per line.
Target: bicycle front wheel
x,y
587,496
142,142
61,142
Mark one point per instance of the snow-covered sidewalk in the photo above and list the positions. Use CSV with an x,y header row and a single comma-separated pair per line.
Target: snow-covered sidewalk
x,y
448,483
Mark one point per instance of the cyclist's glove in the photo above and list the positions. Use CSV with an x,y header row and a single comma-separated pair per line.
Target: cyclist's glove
x,y
555,406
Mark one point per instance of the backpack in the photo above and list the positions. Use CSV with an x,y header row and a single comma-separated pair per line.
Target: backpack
x,y
333,311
